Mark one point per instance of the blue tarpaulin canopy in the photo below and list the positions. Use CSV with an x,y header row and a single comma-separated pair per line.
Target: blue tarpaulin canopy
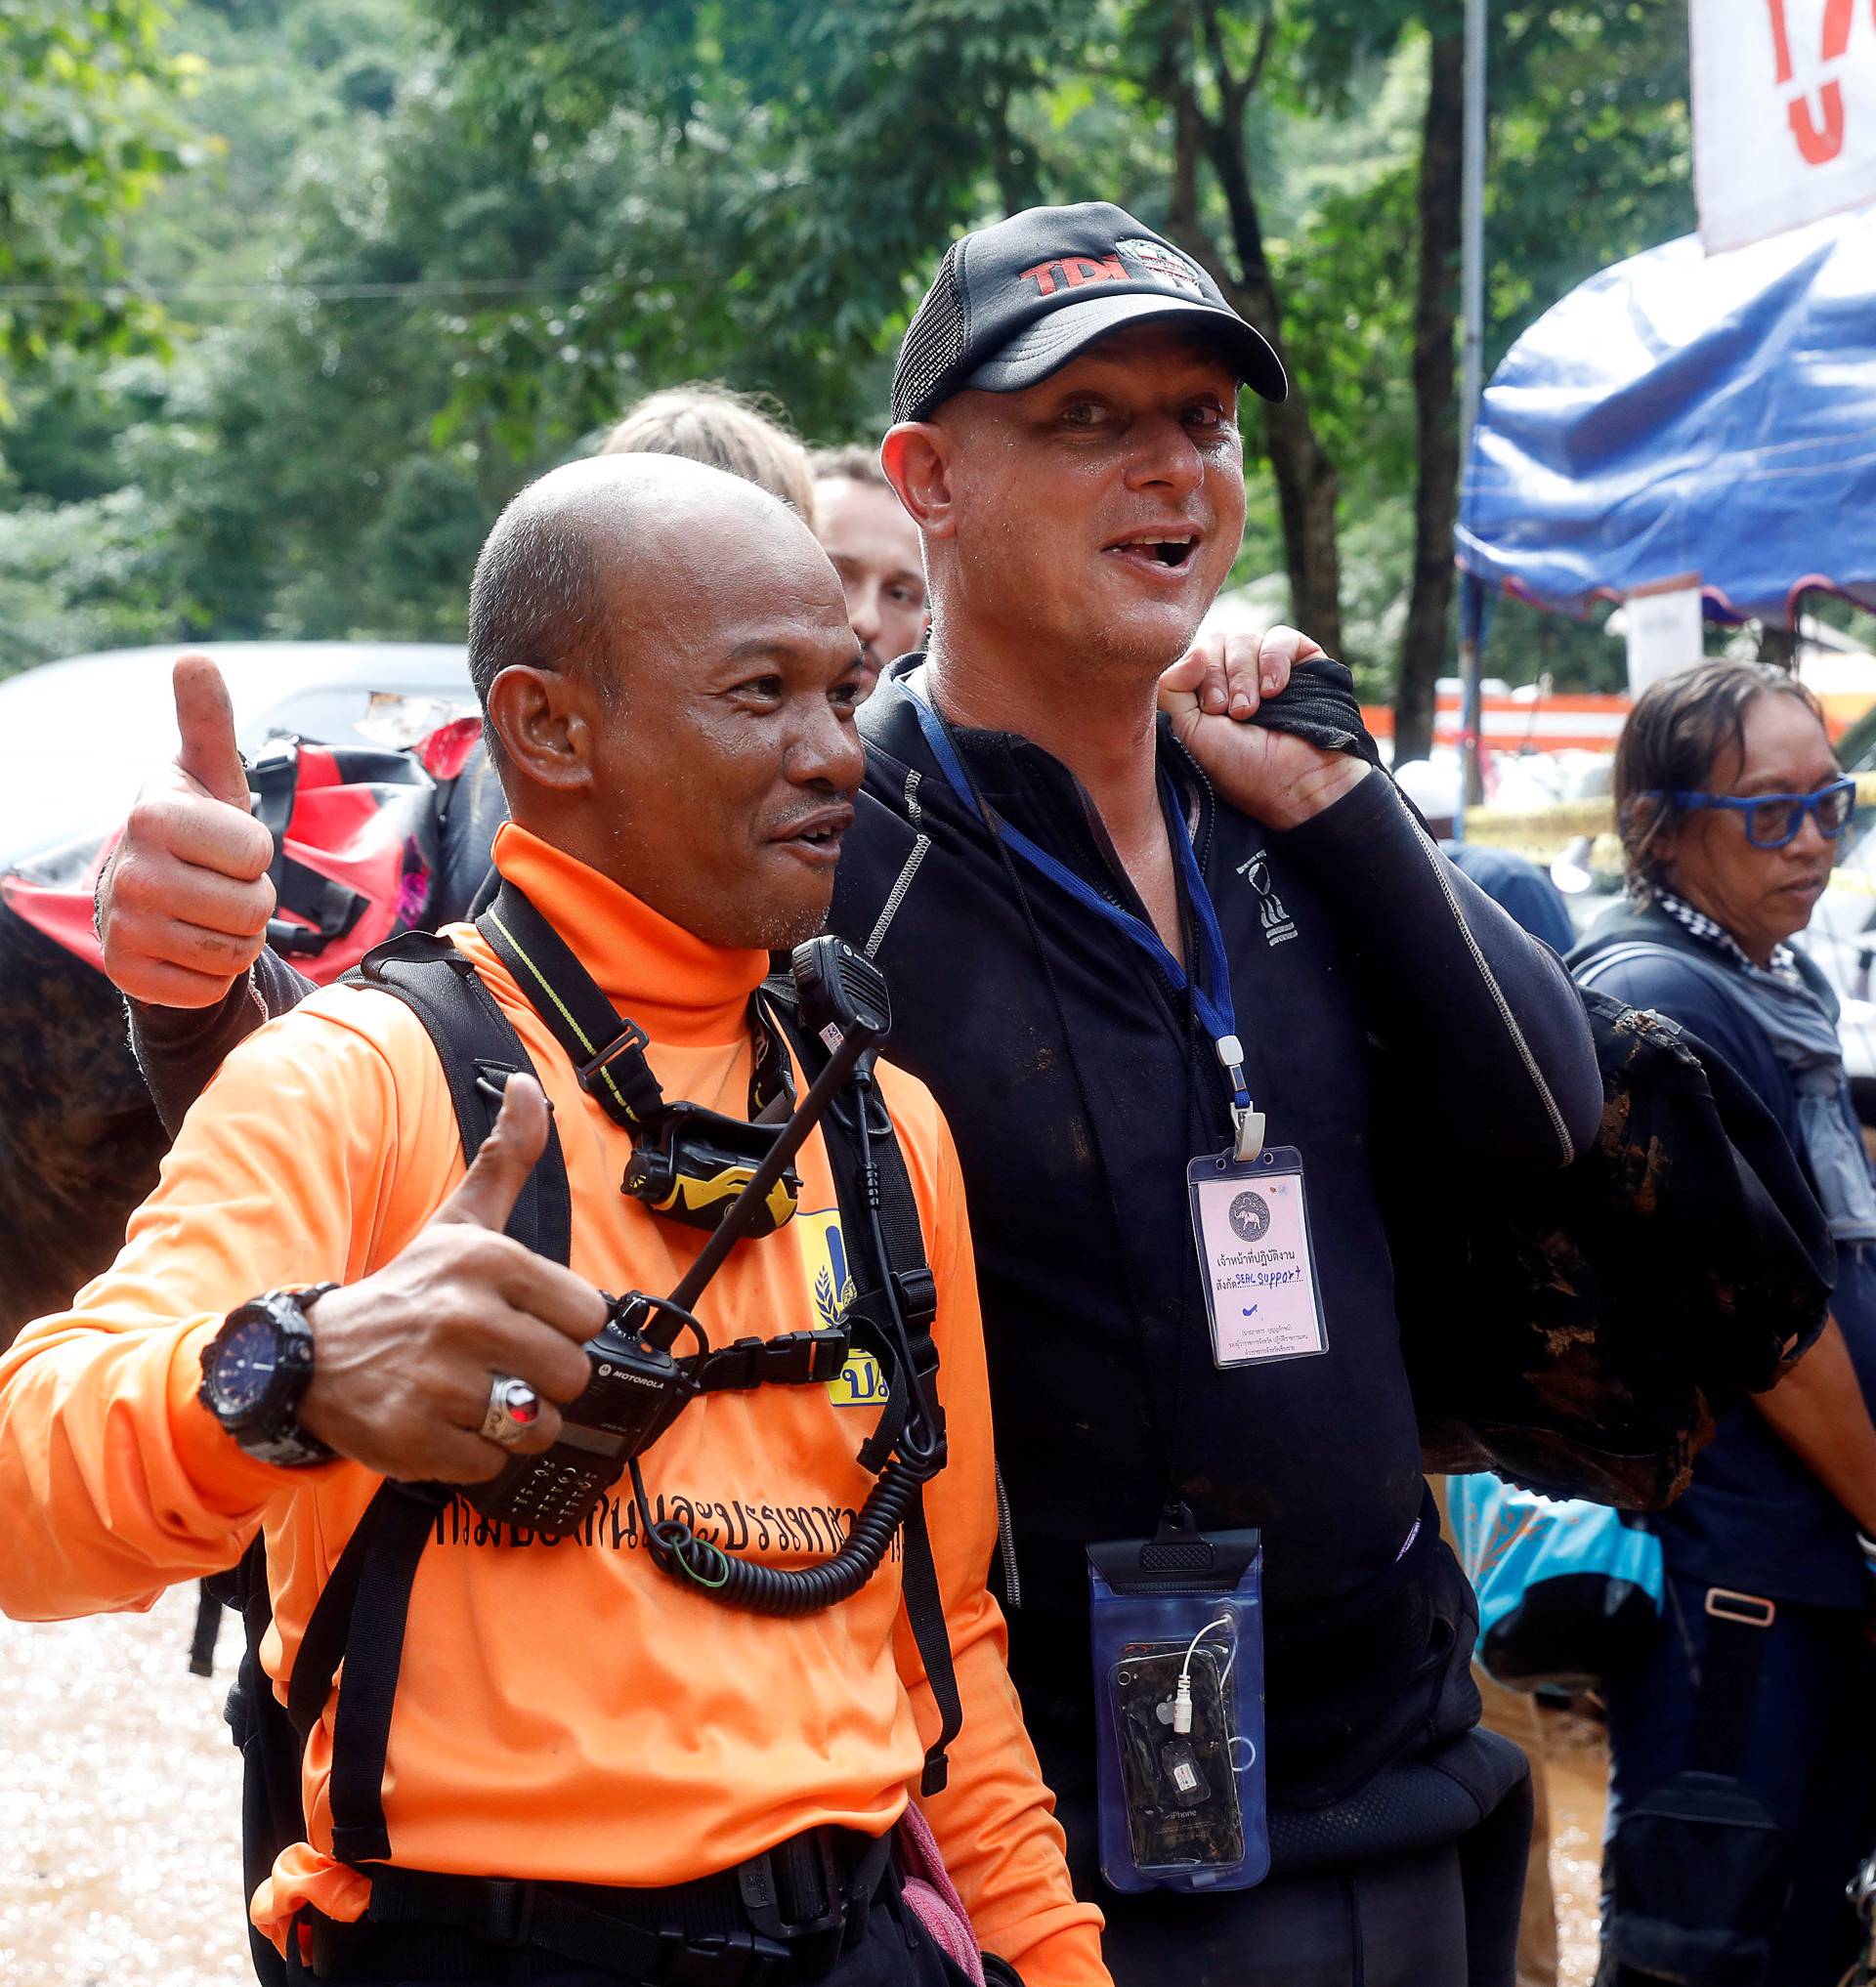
x,y
1685,413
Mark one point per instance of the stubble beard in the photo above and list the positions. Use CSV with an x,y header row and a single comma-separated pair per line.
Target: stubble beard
x,y
772,928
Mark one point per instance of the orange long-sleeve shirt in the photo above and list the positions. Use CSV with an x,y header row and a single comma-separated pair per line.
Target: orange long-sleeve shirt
x,y
564,1710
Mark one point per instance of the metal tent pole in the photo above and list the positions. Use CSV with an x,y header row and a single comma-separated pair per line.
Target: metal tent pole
x,y
1472,282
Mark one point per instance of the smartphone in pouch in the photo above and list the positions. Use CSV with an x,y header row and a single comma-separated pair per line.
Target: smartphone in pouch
x,y
1180,1793
1180,1810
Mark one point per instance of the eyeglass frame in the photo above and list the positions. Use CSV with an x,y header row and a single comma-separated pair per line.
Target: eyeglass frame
x,y
1746,804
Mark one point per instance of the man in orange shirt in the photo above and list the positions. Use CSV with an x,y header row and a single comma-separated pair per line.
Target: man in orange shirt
x,y
668,679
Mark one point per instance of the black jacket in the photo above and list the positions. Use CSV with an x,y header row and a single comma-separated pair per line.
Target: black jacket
x,y
1078,1085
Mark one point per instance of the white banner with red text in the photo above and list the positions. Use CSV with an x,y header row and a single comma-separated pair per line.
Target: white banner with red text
x,y
1784,114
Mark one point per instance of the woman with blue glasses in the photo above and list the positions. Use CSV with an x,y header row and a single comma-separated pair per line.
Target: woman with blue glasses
x,y
1731,807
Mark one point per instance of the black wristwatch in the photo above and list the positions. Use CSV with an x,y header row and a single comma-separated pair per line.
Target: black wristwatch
x,y
255,1371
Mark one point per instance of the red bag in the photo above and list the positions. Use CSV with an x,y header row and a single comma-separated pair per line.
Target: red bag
x,y
357,851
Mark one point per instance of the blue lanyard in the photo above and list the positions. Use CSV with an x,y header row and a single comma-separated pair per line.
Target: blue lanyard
x,y
1214,1003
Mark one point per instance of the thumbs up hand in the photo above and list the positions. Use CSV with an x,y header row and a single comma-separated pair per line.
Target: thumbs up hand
x,y
209,758
183,906
403,1360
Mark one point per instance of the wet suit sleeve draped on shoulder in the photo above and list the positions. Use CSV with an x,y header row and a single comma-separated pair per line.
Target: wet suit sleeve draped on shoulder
x,y
1447,978
179,1048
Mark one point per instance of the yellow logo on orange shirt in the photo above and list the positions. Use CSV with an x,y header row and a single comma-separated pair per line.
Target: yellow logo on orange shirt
x,y
823,1256
861,1381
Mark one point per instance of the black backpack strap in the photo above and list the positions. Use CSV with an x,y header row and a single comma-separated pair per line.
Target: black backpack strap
x,y
406,1515
330,908
358,1620
480,1050
912,1283
272,1815
917,1292
925,1610
1736,1626
207,1632
315,1662
886,1187
362,1611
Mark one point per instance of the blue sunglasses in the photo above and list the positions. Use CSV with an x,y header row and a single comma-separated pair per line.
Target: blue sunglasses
x,y
1775,819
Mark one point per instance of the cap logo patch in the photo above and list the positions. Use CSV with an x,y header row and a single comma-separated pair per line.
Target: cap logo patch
x,y
1071,272
1160,264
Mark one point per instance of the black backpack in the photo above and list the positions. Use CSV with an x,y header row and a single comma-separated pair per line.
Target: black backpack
x,y
358,1618
1696,1878
1579,1331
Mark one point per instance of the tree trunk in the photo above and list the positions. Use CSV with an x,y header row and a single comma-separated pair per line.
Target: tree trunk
x,y
1423,645
1307,493
1305,478
1779,646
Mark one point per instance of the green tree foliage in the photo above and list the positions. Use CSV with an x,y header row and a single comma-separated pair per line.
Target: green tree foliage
x,y
832,148
88,129
435,245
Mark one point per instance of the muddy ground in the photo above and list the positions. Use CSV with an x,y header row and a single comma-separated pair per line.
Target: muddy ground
x,y
1576,1770
119,1797
120,1806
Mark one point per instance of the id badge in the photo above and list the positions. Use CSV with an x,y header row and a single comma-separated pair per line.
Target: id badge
x,y
1251,1223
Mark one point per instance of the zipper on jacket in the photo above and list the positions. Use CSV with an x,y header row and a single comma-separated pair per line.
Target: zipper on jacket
x,y
1006,1544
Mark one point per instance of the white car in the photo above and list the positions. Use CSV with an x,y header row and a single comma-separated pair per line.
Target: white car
x,y
78,737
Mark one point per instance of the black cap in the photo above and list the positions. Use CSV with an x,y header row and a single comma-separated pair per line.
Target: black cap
x,y
1014,302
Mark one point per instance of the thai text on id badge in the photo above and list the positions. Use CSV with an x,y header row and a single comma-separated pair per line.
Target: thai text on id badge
x,y
1251,1223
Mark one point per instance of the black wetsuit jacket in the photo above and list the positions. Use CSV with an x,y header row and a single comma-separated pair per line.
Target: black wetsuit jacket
x,y
1079,1085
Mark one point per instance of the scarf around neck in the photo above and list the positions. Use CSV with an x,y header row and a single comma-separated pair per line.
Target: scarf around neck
x,y
1803,1036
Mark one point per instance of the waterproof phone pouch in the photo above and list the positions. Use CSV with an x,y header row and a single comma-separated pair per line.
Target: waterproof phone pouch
x,y
1256,1265
1177,1626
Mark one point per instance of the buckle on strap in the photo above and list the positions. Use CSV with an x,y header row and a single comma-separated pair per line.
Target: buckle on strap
x,y
735,1958
827,1354
797,1359
759,1881
1749,1610
630,1039
733,1369
917,1297
793,1359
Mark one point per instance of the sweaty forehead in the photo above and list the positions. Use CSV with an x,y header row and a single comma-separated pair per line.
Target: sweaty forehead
x,y
717,578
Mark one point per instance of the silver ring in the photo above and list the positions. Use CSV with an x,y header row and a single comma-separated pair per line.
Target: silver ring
x,y
513,1409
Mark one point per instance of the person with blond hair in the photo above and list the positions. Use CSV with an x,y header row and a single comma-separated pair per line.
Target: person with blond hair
x,y
743,433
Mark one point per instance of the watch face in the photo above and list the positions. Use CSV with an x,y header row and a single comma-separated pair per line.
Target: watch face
x,y
244,1364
